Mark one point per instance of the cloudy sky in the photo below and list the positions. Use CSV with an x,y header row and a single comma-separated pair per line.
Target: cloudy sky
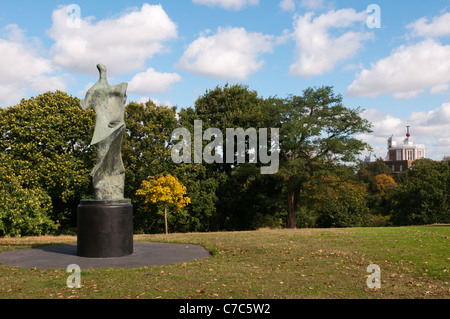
x,y
391,58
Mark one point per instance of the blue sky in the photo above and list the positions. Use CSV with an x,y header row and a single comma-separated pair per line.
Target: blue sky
x,y
172,51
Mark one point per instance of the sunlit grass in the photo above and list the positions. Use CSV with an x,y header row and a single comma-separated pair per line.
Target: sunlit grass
x,y
294,264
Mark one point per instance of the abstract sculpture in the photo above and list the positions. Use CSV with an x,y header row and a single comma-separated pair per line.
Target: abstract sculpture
x,y
108,102
105,223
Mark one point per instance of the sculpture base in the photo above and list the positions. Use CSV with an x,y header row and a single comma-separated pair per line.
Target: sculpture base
x,y
105,228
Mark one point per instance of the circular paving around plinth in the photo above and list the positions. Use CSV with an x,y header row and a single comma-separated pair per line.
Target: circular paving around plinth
x,y
62,255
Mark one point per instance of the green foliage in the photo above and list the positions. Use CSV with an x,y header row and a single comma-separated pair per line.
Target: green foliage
x,y
46,161
23,211
367,171
376,176
230,107
46,141
146,151
146,144
243,198
423,196
335,200
251,201
234,106
201,189
316,132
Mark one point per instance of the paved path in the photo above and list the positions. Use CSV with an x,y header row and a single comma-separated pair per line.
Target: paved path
x,y
63,255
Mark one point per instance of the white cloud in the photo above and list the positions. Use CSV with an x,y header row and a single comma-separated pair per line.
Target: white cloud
x,y
152,81
318,51
23,69
287,5
227,4
429,128
408,71
145,99
383,123
384,126
312,4
122,44
440,26
231,53
434,118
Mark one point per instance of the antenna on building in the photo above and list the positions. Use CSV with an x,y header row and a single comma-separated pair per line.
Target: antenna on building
x,y
407,131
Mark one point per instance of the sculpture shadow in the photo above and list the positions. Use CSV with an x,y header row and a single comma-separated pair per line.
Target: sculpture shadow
x,y
64,249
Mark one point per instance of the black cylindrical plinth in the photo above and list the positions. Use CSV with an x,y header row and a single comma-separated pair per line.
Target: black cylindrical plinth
x,y
105,228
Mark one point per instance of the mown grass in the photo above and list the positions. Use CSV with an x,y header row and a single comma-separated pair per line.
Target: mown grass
x,y
263,264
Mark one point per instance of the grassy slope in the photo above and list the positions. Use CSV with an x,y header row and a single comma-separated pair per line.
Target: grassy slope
x,y
303,263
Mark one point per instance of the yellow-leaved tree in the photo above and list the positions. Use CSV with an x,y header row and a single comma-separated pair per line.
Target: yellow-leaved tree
x,y
384,184
166,191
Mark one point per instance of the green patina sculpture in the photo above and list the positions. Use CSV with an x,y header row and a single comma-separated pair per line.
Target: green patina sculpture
x,y
108,102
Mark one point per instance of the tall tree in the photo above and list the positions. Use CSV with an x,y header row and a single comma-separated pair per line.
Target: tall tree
x,y
45,141
316,131
147,152
232,107
423,195
229,107
147,142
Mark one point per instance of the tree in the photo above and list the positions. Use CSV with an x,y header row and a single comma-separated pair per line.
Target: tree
x,y
423,195
341,203
384,185
23,211
200,214
234,106
368,170
147,152
166,191
333,198
316,131
231,106
376,176
146,144
45,140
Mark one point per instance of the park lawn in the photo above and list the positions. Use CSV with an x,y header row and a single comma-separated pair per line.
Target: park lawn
x,y
262,264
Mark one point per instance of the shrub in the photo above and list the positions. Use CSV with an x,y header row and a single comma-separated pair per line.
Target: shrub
x,y
23,211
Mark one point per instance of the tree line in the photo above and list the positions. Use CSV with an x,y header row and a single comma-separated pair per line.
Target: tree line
x,y
46,160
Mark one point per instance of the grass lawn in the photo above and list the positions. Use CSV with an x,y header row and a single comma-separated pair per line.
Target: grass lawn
x,y
269,264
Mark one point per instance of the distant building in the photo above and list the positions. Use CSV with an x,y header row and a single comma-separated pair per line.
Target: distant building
x,y
370,158
400,156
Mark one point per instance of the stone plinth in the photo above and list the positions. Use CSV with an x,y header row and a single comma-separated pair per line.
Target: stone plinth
x,y
105,228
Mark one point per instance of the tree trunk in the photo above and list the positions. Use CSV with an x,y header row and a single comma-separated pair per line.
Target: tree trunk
x,y
292,210
165,218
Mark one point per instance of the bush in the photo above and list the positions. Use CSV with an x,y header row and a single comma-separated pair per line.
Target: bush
x,y
23,212
306,218
378,220
267,221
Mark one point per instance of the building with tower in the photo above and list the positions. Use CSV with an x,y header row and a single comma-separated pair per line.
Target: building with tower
x,y
401,155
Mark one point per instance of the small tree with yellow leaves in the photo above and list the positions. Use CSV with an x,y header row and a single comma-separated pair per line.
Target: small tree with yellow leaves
x,y
166,191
